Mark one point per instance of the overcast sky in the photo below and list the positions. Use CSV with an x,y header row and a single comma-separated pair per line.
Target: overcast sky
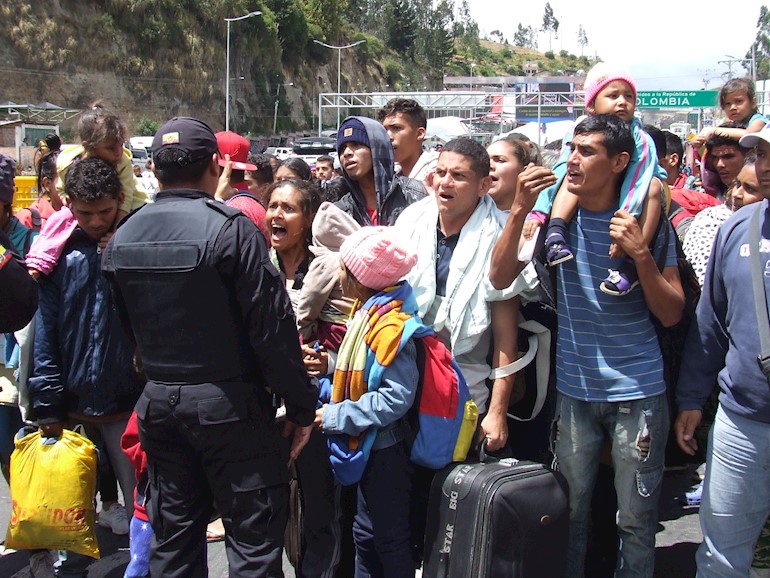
x,y
665,44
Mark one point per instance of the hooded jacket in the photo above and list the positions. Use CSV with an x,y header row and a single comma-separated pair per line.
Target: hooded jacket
x,y
394,194
425,164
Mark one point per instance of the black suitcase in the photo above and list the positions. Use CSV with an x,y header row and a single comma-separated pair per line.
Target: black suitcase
x,y
505,519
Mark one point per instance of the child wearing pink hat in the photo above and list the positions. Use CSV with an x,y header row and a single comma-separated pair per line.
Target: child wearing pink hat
x,y
608,90
375,384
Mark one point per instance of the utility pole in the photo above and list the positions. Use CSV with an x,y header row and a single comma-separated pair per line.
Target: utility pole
x,y
729,64
732,60
706,80
706,77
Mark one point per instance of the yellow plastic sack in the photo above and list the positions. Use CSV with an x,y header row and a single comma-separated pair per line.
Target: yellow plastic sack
x,y
52,494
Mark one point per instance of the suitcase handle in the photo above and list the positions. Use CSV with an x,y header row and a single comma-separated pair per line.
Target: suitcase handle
x,y
484,457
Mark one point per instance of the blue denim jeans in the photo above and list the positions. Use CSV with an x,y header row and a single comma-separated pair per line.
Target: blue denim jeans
x,y
638,431
736,495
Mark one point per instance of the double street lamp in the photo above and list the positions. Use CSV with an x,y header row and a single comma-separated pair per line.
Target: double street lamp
x,y
227,81
339,50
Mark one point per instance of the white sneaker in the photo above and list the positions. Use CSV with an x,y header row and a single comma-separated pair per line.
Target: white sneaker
x,y
41,564
115,519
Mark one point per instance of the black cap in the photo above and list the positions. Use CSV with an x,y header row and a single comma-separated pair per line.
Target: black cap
x,y
186,134
352,130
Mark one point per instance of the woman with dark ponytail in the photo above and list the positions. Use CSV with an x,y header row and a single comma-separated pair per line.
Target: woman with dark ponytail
x,y
48,201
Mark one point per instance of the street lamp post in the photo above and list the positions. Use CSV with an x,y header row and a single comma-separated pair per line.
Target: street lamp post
x,y
339,50
275,109
473,65
317,89
227,80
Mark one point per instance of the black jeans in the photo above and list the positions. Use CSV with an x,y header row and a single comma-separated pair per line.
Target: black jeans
x,y
382,526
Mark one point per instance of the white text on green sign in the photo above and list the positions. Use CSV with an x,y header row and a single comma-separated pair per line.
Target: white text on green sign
x,y
676,99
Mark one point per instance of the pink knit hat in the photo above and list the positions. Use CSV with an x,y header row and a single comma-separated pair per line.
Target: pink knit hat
x,y
600,76
376,257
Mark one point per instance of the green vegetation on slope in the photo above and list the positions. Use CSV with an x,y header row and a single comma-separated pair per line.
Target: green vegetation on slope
x,y
154,58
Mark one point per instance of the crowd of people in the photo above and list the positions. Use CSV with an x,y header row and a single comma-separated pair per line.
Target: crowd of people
x,y
250,314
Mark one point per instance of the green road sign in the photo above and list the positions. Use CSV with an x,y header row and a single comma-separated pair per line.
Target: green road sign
x,y
677,99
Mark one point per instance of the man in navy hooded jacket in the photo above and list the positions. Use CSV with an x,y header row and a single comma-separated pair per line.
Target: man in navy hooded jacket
x,y
376,195
723,345
84,362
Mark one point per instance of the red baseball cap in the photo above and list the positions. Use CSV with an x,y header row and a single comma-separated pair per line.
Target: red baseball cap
x,y
237,147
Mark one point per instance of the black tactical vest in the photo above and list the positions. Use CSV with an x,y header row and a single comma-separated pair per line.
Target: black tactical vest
x,y
183,313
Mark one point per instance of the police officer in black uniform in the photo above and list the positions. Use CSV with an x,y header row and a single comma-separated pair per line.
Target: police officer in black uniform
x,y
215,330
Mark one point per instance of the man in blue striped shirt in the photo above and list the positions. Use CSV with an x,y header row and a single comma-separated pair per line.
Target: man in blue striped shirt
x,y
609,366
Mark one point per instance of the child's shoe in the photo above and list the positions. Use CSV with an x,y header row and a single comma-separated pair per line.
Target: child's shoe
x,y
558,250
693,497
620,281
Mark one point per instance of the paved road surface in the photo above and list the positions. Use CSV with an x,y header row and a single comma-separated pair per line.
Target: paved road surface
x,y
677,539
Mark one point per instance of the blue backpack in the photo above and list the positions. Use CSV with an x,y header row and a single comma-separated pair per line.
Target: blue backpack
x,y
443,417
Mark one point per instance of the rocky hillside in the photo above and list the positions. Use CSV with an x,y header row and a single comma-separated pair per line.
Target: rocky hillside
x,y
151,59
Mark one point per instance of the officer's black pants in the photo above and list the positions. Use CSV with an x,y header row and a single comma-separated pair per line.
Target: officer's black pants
x,y
204,443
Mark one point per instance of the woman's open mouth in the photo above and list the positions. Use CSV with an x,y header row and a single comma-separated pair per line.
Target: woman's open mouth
x,y
277,232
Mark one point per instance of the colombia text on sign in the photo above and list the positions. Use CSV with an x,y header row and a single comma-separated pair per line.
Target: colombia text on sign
x,y
677,99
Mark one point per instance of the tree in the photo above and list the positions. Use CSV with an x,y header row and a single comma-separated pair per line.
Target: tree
x,y
582,38
439,40
401,26
327,15
368,16
466,30
292,28
498,35
550,24
525,37
463,22
356,13
761,46
146,126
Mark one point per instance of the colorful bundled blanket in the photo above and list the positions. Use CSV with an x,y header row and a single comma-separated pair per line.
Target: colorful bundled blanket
x,y
375,336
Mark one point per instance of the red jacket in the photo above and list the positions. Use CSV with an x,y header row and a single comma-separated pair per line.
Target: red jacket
x,y
251,207
693,202
680,182
133,449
